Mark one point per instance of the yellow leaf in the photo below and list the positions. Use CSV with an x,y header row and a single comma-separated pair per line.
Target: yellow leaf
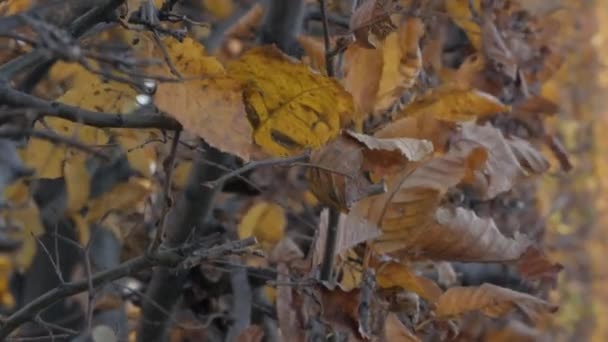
x,y
24,215
77,181
141,155
290,107
6,268
266,221
461,14
453,103
123,196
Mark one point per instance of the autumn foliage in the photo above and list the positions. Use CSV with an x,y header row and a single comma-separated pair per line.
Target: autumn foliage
x,y
213,170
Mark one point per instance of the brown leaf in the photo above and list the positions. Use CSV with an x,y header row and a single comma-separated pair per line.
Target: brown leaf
x,y
385,156
411,200
459,234
492,300
393,274
394,330
559,151
315,51
371,22
289,325
534,264
338,179
350,233
253,333
528,156
508,160
410,149
428,128
377,78
219,100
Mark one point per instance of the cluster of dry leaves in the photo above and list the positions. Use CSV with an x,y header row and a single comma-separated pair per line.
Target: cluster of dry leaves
x,y
426,144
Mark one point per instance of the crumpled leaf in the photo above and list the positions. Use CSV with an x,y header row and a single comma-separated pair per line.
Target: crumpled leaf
x,y
290,107
411,200
266,221
460,235
352,156
501,167
411,149
492,300
377,78
454,103
535,264
373,20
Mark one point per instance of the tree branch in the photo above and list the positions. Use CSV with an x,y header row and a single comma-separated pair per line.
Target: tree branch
x,y
12,97
192,208
167,258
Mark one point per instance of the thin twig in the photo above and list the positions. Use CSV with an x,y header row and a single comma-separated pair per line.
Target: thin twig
x,y
328,57
166,258
13,97
254,165
55,138
169,166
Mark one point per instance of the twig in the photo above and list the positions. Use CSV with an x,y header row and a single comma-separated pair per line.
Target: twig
x,y
254,165
53,137
242,298
192,207
167,258
328,58
10,96
330,246
169,166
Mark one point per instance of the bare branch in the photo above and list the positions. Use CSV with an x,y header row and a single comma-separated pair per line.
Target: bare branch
x,y
167,258
12,97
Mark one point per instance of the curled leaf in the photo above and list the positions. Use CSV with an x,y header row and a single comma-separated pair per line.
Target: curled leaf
x,y
492,300
454,103
459,234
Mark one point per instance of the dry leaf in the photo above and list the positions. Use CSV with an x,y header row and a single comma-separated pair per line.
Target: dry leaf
x,y
534,264
459,234
290,107
377,78
219,100
289,325
393,274
349,234
454,103
492,300
315,51
394,330
373,20
253,333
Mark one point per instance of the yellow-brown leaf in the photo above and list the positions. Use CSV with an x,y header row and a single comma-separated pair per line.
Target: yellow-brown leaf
x,y
290,107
